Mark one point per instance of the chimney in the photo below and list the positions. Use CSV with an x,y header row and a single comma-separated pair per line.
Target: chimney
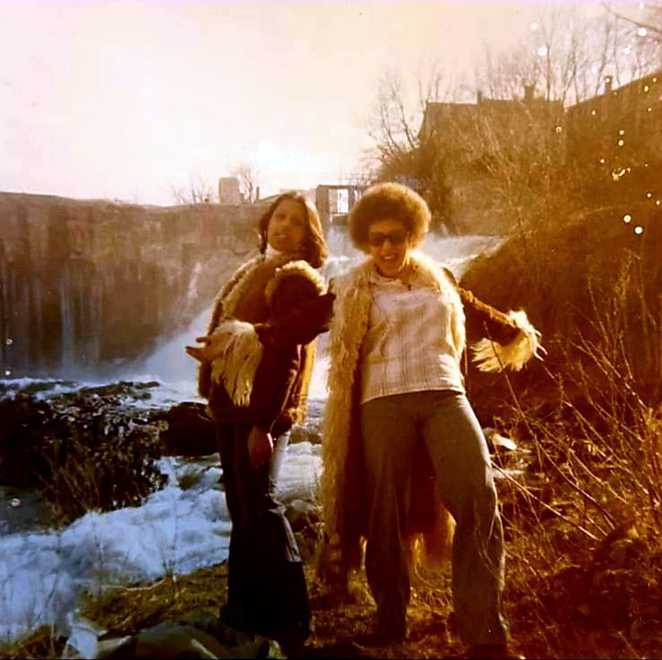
x,y
528,93
479,97
608,81
257,193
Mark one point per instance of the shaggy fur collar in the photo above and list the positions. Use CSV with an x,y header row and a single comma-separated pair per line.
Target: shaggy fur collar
x,y
236,287
299,268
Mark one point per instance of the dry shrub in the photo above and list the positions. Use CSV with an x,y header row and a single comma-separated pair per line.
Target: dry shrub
x,y
583,520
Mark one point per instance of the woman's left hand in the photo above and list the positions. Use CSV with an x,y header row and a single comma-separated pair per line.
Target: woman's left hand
x,y
260,447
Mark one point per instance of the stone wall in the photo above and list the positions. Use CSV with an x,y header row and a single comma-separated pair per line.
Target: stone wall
x,y
91,283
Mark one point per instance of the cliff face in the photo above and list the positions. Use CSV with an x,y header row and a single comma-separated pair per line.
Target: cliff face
x,y
85,284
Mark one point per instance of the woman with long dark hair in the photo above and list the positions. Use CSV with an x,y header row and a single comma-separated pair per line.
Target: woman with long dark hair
x,y
256,362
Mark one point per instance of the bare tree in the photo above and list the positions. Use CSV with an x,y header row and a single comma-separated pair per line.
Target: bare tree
x,y
401,151
504,156
644,25
198,191
397,111
248,176
567,56
648,19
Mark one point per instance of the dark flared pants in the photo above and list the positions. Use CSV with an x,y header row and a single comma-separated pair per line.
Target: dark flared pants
x,y
267,590
443,420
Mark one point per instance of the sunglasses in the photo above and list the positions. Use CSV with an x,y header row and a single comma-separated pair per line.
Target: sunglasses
x,y
397,237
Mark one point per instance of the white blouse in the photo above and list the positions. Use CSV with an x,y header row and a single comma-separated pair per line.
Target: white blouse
x,y
408,346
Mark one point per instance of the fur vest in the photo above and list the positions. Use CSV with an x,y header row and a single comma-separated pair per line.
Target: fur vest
x,y
259,314
341,479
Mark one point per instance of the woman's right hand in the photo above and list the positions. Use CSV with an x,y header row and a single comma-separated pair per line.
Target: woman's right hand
x,y
213,346
260,447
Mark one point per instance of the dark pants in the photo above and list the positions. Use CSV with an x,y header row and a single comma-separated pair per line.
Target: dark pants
x,y
443,420
266,584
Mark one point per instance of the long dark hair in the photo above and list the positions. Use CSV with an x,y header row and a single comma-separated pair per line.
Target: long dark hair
x,y
315,249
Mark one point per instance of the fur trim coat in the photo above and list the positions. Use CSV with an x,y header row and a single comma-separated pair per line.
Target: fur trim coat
x,y
263,328
342,478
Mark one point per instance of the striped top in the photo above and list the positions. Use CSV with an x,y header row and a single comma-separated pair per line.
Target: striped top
x,y
408,346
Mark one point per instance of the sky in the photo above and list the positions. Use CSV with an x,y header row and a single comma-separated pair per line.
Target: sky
x,y
129,100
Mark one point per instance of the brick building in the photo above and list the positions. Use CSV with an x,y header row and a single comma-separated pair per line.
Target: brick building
x,y
620,127
475,136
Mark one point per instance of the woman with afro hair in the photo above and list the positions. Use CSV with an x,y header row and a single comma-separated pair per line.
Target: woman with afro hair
x,y
400,439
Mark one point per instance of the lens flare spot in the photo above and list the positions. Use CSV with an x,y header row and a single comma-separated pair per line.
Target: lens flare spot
x,y
543,51
649,195
638,230
594,112
646,89
621,143
9,341
559,129
7,372
621,131
627,218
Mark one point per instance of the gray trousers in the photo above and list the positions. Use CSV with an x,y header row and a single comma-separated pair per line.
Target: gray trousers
x,y
444,420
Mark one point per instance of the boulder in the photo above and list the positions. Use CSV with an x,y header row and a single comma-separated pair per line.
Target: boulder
x,y
190,431
175,640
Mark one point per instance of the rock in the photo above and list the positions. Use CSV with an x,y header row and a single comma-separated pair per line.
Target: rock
x,y
174,640
498,442
302,514
87,283
311,429
88,449
307,432
124,388
190,432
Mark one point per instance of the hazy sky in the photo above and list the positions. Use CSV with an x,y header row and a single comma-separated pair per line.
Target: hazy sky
x,y
127,99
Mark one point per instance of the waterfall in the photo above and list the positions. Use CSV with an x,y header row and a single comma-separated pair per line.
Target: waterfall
x,y
67,331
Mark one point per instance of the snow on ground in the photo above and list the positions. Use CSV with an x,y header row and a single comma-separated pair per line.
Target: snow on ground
x,y
175,530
